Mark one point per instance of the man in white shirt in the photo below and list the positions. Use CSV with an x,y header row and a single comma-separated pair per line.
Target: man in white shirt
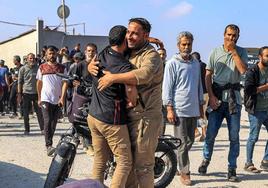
x,y
50,96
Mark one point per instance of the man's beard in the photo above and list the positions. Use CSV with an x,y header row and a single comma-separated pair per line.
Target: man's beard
x,y
265,63
89,58
185,54
31,64
52,59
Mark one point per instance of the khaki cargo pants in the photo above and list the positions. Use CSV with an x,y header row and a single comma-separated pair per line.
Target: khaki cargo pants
x,y
110,139
144,135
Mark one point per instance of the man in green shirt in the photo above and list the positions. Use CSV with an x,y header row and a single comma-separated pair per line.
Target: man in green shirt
x,y
223,71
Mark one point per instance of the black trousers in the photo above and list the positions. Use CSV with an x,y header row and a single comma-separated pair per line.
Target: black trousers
x,y
28,100
4,99
13,98
51,113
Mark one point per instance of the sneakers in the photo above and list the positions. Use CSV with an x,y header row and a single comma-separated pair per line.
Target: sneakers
x,y
264,165
26,133
185,179
203,167
50,151
231,176
90,150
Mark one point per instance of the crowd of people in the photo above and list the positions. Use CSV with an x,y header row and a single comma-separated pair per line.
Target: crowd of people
x,y
136,90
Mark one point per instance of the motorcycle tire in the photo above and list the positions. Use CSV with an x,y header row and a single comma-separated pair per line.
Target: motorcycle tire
x,y
58,171
165,165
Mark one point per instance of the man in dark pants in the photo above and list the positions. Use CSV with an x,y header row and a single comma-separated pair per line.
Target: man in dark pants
x,y
13,88
223,71
27,90
50,97
81,71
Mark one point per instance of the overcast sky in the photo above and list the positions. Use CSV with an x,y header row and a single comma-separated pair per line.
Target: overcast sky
x,y
206,19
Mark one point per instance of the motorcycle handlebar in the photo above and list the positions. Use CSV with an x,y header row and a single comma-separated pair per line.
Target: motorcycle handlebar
x,y
67,77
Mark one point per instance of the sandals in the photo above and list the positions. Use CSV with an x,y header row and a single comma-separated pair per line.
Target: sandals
x,y
251,168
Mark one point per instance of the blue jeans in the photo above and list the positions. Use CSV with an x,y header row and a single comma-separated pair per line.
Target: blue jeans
x,y
214,123
256,120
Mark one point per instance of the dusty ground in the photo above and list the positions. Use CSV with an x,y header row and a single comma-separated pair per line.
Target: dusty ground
x,y
24,163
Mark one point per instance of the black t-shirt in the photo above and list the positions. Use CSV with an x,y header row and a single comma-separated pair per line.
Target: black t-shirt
x,y
109,105
203,74
15,71
82,71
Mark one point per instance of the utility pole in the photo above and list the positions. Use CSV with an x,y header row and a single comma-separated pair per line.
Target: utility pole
x,y
84,28
64,18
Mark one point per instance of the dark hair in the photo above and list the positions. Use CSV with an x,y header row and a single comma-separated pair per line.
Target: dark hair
x,y
146,26
92,45
233,27
162,49
262,49
117,35
52,48
2,62
17,58
29,54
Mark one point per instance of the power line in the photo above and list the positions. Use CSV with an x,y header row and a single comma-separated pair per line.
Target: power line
x,y
26,25
17,24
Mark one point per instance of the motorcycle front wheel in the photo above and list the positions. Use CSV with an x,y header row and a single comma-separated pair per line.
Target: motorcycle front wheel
x,y
58,168
165,165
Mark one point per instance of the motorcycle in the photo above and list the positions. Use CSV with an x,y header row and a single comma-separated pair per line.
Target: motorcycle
x,y
165,157
165,161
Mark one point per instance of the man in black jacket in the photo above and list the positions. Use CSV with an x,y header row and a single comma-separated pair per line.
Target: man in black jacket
x,y
107,118
256,104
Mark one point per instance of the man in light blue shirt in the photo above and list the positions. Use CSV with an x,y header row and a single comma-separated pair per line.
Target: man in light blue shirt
x,y
183,97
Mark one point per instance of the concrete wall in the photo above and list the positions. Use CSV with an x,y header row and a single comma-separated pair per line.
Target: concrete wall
x,y
100,41
59,39
19,46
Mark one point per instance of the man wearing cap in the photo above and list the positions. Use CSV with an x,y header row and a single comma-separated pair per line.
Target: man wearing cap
x,y
77,58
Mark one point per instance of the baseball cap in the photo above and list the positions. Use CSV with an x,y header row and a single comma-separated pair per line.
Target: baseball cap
x,y
79,55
